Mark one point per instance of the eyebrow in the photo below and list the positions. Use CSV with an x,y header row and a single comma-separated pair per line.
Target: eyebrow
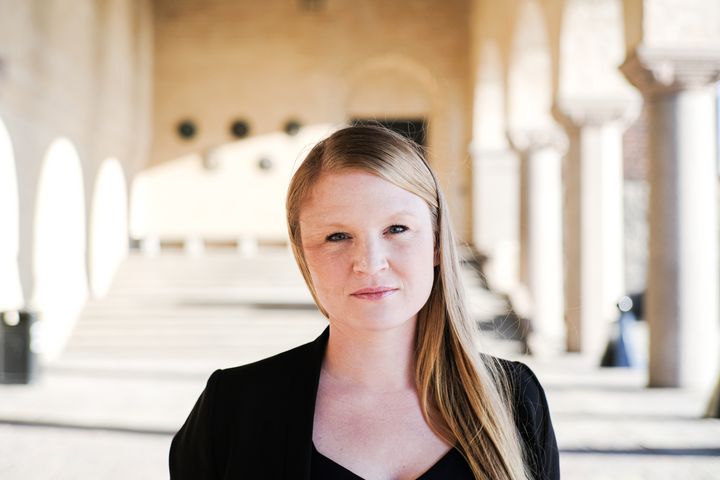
x,y
400,213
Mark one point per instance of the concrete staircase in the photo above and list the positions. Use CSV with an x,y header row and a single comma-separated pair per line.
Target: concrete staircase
x,y
179,313
182,314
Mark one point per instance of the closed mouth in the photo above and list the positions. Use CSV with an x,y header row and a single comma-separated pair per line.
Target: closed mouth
x,y
364,291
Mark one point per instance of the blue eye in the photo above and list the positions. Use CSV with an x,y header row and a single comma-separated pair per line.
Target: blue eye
x,y
340,236
336,237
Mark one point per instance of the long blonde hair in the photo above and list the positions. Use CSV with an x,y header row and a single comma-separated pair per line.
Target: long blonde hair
x,y
465,397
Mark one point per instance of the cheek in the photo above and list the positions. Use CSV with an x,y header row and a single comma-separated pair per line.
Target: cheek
x,y
326,271
420,267
416,256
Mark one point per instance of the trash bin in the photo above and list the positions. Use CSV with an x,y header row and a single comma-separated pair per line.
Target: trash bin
x,y
17,360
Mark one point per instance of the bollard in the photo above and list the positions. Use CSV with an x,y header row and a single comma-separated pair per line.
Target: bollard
x,y
17,360
617,352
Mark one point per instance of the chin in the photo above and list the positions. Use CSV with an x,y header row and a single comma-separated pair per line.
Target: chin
x,y
377,323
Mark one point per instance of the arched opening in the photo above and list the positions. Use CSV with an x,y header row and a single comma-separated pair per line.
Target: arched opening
x,y
495,173
589,57
489,100
59,247
108,226
540,142
394,91
11,296
530,72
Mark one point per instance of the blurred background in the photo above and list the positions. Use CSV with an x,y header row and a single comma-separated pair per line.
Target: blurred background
x,y
145,151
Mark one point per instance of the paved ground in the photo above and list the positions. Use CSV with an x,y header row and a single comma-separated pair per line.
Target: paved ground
x,y
138,359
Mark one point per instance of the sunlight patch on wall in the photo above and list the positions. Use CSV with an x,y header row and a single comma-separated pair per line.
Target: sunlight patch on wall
x,y
59,247
236,190
108,226
11,296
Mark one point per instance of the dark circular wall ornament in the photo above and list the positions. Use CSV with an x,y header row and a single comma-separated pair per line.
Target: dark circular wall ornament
x,y
264,164
186,129
239,129
292,127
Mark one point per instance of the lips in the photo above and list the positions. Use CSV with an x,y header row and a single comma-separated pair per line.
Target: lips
x,y
373,290
374,293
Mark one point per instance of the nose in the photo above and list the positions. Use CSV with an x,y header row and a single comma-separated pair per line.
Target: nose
x,y
369,258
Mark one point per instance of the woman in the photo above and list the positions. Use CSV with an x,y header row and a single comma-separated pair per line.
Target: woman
x,y
394,388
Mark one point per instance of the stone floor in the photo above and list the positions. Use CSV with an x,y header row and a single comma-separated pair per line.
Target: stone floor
x,y
139,358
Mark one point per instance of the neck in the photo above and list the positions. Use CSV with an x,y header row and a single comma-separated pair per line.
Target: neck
x,y
380,361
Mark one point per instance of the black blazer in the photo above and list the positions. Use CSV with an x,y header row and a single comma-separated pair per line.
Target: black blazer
x,y
256,421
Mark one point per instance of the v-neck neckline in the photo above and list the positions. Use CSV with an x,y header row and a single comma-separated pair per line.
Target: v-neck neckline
x,y
355,476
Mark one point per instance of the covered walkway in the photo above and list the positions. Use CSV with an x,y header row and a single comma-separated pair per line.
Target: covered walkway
x,y
108,406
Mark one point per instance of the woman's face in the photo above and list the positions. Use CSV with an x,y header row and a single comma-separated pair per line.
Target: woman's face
x,y
369,246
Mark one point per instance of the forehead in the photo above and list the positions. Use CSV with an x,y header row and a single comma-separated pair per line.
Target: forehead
x,y
357,192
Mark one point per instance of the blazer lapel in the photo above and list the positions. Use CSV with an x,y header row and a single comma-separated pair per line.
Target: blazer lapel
x,y
300,412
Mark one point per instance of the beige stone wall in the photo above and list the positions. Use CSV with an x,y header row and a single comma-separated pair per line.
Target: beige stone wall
x,y
80,71
271,61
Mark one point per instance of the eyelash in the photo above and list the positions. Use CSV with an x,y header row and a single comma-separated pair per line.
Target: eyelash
x,y
333,236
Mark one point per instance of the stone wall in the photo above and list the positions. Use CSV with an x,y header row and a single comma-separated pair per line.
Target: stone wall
x,y
75,86
318,63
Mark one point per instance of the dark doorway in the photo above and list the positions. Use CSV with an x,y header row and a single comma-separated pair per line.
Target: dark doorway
x,y
414,128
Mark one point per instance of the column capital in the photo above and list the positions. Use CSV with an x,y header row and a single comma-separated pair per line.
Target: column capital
x,y
666,70
524,140
476,150
581,112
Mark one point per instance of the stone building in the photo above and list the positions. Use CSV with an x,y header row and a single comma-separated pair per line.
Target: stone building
x,y
180,122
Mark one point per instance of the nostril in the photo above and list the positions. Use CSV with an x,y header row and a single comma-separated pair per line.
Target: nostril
x,y
369,258
370,265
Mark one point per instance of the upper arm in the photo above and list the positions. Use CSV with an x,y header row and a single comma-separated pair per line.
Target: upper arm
x,y
192,451
534,424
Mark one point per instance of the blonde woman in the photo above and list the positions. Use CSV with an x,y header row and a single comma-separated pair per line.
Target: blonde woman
x,y
393,389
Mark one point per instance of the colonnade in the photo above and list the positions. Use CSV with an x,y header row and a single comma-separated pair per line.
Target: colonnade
x,y
604,59
682,291
556,84
74,127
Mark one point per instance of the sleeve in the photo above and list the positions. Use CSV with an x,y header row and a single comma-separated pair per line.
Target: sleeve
x,y
535,426
192,453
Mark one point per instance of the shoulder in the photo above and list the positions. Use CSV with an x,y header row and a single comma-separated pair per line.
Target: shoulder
x,y
269,372
525,387
532,417
240,410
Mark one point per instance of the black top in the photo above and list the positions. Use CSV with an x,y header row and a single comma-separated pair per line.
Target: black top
x,y
451,466
256,421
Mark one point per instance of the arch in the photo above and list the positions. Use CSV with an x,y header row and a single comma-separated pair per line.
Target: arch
x,y
59,247
391,85
11,296
489,124
591,48
108,226
495,171
530,88
633,25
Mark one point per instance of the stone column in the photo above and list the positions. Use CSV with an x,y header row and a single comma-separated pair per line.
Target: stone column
x,y
593,219
682,292
495,213
541,245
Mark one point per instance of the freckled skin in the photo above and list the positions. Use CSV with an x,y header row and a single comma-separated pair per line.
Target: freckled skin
x,y
361,231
